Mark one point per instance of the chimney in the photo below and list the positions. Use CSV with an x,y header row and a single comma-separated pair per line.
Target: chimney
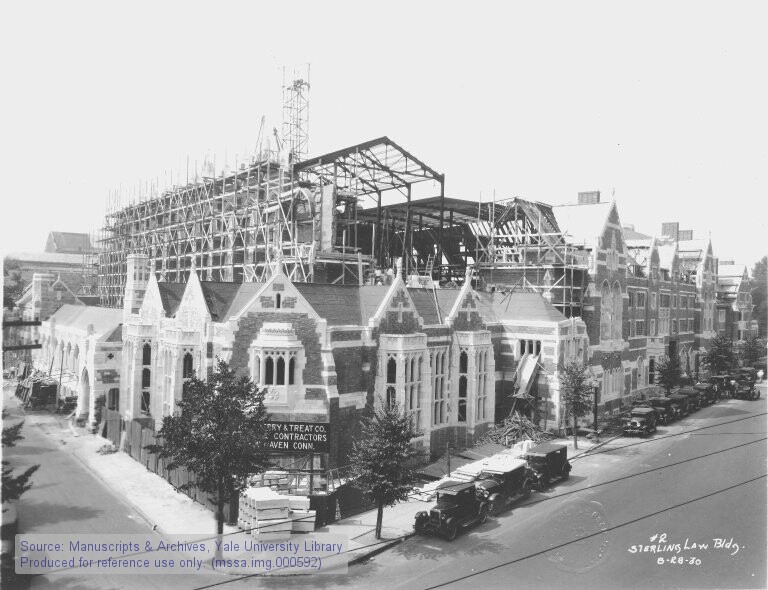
x,y
135,284
589,198
670,229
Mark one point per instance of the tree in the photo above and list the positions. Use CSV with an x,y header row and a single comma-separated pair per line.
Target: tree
x,y
752,350
381,456
668,372
14,486
576,393
760,295
220,433
720,357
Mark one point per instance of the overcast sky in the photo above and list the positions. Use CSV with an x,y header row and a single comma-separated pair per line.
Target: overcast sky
x,y
661,103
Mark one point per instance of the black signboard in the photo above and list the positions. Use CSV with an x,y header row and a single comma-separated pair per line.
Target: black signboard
x,y
300,437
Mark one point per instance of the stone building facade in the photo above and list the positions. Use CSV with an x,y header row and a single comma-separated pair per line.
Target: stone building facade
x,y
325,353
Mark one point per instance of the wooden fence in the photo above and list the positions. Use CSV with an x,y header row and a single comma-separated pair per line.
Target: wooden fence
x,y
133,438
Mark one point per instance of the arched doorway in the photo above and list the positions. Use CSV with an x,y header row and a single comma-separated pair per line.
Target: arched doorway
x,y
84,398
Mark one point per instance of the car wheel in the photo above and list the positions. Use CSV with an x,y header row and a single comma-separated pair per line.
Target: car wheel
x,y
451,532
483,515
526,493
492,508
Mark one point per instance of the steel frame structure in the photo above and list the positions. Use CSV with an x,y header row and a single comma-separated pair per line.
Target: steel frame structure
x,y
238,226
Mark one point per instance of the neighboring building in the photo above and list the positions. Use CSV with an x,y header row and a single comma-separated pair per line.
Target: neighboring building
x,y
29,263
82,347
326,352
68,243
734,302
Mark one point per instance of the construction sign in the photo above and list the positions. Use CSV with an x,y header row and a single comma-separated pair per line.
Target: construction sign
x,y
299,437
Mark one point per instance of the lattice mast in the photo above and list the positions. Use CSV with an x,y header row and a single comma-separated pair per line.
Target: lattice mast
x,y
295,132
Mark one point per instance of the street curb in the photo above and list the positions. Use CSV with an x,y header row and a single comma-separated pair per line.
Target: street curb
x,y
380,549
597,446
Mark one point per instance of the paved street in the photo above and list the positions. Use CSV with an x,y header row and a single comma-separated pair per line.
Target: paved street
x,y
67,499
582,506
607,497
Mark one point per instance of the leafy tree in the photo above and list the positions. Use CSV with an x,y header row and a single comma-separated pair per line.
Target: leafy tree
x,y
220,433
760,295
720,357
752,349
381,457
668,372
576,392
14,486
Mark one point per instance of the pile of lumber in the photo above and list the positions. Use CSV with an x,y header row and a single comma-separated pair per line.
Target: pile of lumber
x,y
515,428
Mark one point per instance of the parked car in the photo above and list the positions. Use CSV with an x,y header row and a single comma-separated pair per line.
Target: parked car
x,y
642,421
458,506
548,461
745,388
695,400
502,488
722,385
679,404
707,392
665,412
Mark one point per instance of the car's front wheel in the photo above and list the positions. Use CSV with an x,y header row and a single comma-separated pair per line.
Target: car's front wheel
x,y
483,515
451,531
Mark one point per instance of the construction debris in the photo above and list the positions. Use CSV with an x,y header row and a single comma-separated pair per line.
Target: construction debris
x,y
515,428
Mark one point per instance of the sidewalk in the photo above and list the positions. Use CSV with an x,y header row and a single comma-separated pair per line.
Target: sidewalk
x,y
169,512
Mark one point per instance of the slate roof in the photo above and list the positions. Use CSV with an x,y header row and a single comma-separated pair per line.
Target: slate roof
x,y
531,307
70,241
243,296
105,320
582,223
46,257
219,297
433,306
338,304
170,295
371,297
631,234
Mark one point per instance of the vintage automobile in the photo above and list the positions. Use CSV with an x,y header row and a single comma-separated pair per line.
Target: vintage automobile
x,y
722,385
707,392
502,488
642,421
679,404
695,400
458,506
665,413
745,387
548,461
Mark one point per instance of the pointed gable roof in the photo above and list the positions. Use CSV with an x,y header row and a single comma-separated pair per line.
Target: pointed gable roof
x,y
371,297
582,223
433,306
339,305
517,306
219,297
170,296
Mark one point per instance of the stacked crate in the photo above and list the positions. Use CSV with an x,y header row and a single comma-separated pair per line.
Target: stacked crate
x,y
269,515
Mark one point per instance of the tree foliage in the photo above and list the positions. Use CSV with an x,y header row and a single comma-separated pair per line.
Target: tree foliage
x,y
668,372
220,433
576,392
14,485
760,295
752,350
381,457
720,357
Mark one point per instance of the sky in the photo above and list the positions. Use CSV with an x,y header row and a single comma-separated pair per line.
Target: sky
x,y
660,105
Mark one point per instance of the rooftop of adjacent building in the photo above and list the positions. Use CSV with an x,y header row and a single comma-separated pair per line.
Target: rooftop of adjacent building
x,y
68,242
